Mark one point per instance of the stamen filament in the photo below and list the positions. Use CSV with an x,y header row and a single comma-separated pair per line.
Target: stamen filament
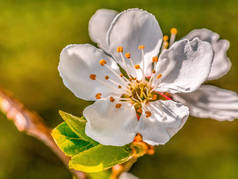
x,y
124,64
118,84
108,85
142,58
116,74
173,32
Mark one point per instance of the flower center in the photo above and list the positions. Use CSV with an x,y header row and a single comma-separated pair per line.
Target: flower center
x,y
140,92
135,91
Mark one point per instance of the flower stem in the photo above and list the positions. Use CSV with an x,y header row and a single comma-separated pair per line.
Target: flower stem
x,y
32,124
117,170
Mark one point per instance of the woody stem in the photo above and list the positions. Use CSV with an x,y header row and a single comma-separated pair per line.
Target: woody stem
x,y
32,124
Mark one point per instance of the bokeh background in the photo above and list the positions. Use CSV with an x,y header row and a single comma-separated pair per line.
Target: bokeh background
x,y
32,34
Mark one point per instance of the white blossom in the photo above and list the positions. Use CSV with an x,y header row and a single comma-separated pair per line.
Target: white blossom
x,y
138,99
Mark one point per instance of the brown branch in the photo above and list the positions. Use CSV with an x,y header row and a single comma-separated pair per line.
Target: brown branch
x,y
32,124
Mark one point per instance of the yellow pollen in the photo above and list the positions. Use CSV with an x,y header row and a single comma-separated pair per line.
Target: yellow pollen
x,y
92,77
159,76
173,31
165,38
121,75
141,47
118,105
102,62
139,110
148,113
137,67
119,86
106,77
112,99
98,95
128,55
119,49
155,59
153,71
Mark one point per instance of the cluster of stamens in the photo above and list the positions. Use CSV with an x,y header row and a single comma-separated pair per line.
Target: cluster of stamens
x,y
138,92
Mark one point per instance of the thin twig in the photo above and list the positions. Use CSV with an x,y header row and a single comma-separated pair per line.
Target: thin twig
x,y
117,170
32,124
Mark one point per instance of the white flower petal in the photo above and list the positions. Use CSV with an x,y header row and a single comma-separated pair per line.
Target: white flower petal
x,y
211,102
99,25
184,66
110,125
76,64
126,175
167,118
221,63
130,29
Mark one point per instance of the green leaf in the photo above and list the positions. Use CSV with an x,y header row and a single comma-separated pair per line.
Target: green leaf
x,y
100,158
87,155
100,175
68,141
77,125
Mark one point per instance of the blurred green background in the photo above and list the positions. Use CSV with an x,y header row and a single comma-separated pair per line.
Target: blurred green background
x,y
32,34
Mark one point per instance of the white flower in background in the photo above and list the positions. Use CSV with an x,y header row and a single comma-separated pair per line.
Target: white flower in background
x,y
133,101
206,102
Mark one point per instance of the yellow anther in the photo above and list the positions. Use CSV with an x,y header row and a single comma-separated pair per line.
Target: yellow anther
x,y
106,77
159,76
102,62
141,47
119,86
137,67
112,99
147,113
121,75
155,59
92,77
165,38
153,71
119,49
118,105
139,110
128,55
173,31
98,96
